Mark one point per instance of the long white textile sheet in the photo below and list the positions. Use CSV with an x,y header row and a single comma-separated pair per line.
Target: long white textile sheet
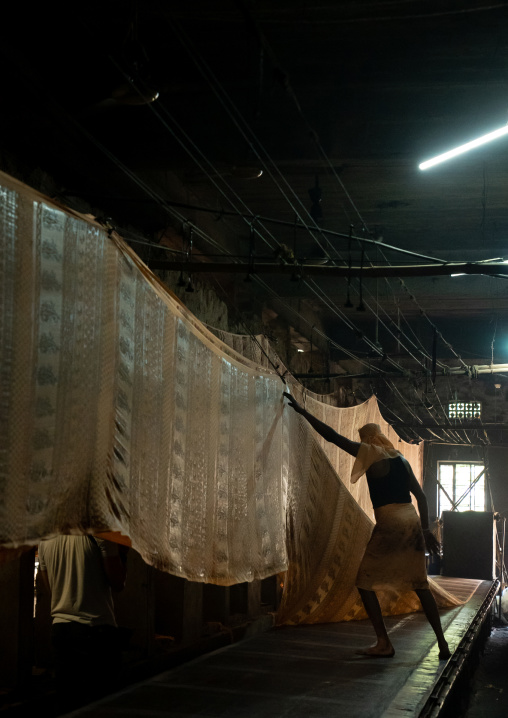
x,y
121,412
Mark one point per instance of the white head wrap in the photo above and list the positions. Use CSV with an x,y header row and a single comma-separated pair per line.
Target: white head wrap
x,y
375,446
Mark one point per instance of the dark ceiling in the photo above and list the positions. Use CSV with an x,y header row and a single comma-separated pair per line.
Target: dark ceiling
x,y
333,101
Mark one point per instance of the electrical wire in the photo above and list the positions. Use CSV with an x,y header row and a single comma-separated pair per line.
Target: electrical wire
x,y
332,168
249,333
199,158
317,331
235,115
398,420
249,136
173,211
326,253
373,346
314,135
159,199
319,244
215,85
220,189
201,166
381,18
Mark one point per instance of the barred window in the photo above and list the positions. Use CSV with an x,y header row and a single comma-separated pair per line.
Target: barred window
x,y
465,410
461,487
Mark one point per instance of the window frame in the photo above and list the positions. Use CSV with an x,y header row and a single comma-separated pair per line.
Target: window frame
x,y
455,497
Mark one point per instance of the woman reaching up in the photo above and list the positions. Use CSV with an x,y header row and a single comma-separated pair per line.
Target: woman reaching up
x,y
395,555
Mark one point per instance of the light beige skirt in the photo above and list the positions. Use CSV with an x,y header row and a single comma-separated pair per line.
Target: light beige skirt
x,y
395,555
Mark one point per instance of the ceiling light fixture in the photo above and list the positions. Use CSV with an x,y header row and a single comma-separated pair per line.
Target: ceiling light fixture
x,y
464,148
129,93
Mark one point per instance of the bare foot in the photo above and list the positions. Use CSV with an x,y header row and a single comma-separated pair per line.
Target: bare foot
x,y
380,650
444,652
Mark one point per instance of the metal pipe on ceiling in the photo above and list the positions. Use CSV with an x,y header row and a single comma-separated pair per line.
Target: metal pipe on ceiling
x,y
293,226
320,270
472,370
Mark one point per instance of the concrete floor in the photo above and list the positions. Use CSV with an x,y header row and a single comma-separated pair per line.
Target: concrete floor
x,y
303,672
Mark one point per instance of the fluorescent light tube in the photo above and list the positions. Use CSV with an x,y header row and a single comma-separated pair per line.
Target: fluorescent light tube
x,y
464,148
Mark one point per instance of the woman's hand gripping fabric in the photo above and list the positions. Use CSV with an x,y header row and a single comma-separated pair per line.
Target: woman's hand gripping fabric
x,y
293,403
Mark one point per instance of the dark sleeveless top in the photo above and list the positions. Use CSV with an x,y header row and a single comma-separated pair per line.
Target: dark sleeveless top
x,y
392,488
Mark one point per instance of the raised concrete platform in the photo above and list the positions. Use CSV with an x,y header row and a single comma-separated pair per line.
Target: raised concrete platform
x,y
312,671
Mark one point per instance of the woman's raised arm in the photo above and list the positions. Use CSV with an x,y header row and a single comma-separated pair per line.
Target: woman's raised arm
x,y
351,447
